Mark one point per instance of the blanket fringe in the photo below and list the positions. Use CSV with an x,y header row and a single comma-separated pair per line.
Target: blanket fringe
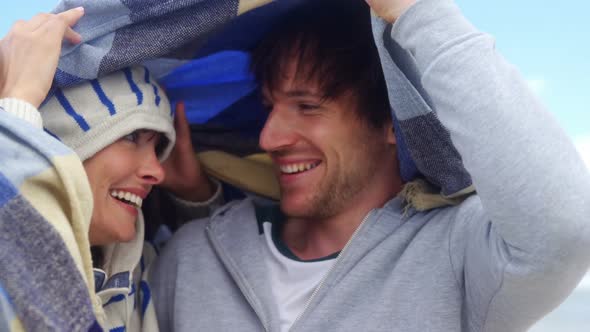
x,y
423,196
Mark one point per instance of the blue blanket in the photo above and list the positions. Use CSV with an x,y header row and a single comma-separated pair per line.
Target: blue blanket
x,y
41,262
198,49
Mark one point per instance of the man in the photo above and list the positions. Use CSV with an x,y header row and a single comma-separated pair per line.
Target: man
x,y
344,255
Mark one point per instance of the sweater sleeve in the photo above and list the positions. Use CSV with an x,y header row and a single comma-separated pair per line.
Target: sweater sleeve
x,y
188,210
165,213
528,249
22,110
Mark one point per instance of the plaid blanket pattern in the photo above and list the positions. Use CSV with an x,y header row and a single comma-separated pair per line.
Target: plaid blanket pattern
x,y
168,35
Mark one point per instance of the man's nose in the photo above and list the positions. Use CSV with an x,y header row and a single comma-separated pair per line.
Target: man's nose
x,y
278,130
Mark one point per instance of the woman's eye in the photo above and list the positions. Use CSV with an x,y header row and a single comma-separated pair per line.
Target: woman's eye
x,y
133,137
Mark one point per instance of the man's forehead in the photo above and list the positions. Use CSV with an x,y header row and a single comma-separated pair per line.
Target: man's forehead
x,y
294,87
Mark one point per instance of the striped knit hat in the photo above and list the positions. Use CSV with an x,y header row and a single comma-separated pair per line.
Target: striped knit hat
x,y
90,116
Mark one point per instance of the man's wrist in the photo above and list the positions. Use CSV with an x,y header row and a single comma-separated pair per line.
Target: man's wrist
x,y
391,11
201,193
413,31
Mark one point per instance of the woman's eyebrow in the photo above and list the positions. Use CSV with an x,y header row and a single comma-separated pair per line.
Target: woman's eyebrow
x,y
152,134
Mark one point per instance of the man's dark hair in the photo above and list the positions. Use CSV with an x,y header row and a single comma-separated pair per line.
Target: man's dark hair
x,y
332,44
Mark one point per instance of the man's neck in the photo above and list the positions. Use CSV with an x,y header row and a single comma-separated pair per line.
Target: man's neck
x,y
312,239
320,237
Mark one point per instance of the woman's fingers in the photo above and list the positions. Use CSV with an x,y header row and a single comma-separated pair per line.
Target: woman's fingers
x,y
30,52
71,17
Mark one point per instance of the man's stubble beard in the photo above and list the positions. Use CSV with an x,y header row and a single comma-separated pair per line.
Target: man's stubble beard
x,y
338,191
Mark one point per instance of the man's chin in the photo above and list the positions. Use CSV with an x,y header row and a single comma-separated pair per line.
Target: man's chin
x,y
291,208
297,207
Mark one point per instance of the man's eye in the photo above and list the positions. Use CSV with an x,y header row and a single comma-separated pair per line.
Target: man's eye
x,y
308,107
267,106
133,137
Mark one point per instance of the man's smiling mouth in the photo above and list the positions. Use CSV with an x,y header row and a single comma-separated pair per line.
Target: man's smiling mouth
x,y
298,167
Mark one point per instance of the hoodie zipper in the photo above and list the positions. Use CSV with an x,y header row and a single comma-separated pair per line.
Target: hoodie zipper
x,y
323,280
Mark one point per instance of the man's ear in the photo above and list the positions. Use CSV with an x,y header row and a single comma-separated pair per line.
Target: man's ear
x,y
390,135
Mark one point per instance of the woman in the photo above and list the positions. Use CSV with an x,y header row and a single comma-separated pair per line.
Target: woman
x,y
121,127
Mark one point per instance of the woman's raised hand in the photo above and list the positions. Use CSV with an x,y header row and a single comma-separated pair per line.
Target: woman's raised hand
x,y
184,176
29,54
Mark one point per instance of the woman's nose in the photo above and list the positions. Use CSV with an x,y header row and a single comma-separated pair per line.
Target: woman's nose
x,y
151,170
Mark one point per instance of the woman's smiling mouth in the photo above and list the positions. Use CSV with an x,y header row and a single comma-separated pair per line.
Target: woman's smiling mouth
x,y
127,198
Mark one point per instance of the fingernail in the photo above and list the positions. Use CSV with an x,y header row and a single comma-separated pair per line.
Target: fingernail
x,y
81,9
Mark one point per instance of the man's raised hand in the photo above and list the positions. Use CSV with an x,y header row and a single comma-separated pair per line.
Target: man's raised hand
x,y
390,10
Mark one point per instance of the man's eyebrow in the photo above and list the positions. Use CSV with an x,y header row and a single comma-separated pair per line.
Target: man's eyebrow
x,y
299,93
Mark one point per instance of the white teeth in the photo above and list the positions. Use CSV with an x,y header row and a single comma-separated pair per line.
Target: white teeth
x,y
127,196
296,168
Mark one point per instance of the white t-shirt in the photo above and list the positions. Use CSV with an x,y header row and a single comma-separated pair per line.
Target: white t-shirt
x,y
292,281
